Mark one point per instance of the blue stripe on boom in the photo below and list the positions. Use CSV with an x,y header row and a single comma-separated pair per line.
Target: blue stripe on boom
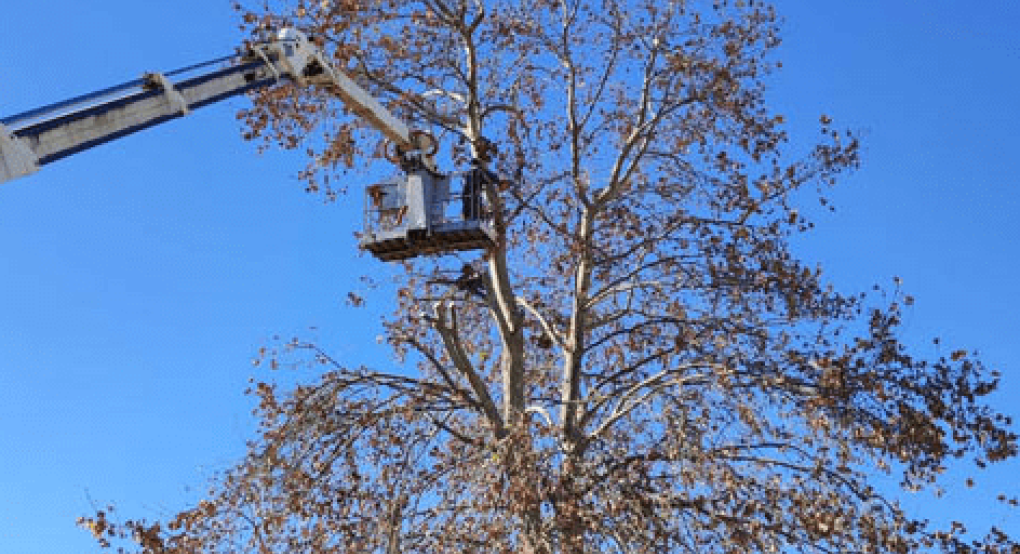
x,y
200,65
44,126
9,121
194,81
156,121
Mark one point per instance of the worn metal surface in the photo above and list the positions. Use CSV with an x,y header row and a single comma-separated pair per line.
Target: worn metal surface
x,y
16,158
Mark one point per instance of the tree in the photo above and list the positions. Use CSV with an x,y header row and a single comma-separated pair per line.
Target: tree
x,y
644,365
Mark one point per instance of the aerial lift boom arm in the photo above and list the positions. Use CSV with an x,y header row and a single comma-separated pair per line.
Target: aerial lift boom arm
x,y
405,217
44,135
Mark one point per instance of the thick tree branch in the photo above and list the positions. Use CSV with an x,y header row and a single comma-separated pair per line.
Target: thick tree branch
x,y
445,324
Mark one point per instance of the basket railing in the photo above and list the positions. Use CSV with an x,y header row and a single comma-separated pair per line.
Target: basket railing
x,y
452,201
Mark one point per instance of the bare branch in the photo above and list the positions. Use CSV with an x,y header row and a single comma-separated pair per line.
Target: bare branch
x,y
543,322
446,324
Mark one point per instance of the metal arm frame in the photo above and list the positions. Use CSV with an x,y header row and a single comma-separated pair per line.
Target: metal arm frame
x,y
44,135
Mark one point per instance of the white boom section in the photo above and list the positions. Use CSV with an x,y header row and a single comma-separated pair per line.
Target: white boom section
x,y
44,135
359,101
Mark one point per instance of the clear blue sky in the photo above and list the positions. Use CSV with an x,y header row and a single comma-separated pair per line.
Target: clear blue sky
x,y
138,279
